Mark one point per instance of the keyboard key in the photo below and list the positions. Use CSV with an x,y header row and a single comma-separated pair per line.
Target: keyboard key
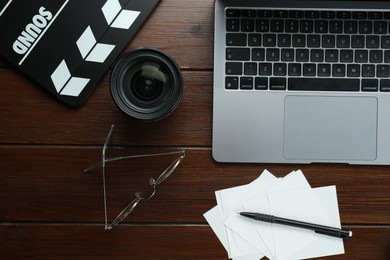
x,y
376,56
302,55
309,69
372,41
336,26
321,26
261,83
232,25
258,54
323,84
250,68
346,56
357,41
313,41
380,27
277,25
312,14
368,70
247,25
317,55
233,68
246,83
265,13
254,39
343,15
385,42
353,70
350,26
231,83
262,25
292,26
387,56
361,56
338,70
328,41
265,69
280,14
331,55
269,40
359,15
237,53
343,41
383,71
294,69
296,14
324,70
375,15
272,54
385,85
365,27
287,55
236,39
277,84
284,40
328,14
233,13
370,85
280,69
307,26
298,40
249,13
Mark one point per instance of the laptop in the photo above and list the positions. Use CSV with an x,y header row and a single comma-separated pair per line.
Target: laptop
x,y
66,46
301,82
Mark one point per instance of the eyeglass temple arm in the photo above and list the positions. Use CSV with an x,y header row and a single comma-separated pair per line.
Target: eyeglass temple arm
x,y
108,138
118,158
103,160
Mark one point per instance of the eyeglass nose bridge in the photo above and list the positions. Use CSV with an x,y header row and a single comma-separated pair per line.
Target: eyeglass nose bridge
x,y
140,197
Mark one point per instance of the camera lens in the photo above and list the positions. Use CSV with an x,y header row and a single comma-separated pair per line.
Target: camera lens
x,y
146,84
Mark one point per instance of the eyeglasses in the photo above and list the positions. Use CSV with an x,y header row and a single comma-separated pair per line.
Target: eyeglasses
x,y
138,196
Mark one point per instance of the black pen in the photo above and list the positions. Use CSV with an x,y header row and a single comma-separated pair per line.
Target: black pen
x,y
325,230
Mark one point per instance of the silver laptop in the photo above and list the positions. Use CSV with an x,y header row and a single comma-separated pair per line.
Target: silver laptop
x,y
302,82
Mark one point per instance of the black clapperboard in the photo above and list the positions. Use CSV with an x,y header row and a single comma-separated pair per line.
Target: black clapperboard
x,y
67,46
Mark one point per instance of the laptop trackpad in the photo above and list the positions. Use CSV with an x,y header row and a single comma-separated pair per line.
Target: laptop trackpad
x,y
330,128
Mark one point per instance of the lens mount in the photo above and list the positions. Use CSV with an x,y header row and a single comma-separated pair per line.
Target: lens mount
x,y
146,84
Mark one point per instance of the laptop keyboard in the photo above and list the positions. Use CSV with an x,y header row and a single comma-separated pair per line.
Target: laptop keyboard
x,y
307,50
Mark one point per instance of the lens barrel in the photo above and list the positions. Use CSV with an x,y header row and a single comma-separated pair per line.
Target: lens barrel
x,y
146,84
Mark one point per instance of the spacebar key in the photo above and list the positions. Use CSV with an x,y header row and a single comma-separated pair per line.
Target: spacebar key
x,y
323,84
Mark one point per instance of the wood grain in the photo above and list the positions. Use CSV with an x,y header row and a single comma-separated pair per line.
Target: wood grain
x,y
52,178
31,116
150,242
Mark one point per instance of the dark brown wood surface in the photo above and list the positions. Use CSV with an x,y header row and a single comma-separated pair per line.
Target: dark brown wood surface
x,y
50,208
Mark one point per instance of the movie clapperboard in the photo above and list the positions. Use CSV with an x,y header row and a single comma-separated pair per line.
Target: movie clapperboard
x,y
67,46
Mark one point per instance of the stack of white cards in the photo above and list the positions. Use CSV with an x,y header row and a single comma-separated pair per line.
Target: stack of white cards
x,y
288,197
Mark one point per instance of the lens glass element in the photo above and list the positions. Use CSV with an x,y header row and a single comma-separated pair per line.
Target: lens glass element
x,y
147,83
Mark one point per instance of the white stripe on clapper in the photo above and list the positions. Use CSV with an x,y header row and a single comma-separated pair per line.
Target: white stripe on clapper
x,y
44,31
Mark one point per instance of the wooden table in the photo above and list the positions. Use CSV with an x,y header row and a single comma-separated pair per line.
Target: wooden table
x,y
50,208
